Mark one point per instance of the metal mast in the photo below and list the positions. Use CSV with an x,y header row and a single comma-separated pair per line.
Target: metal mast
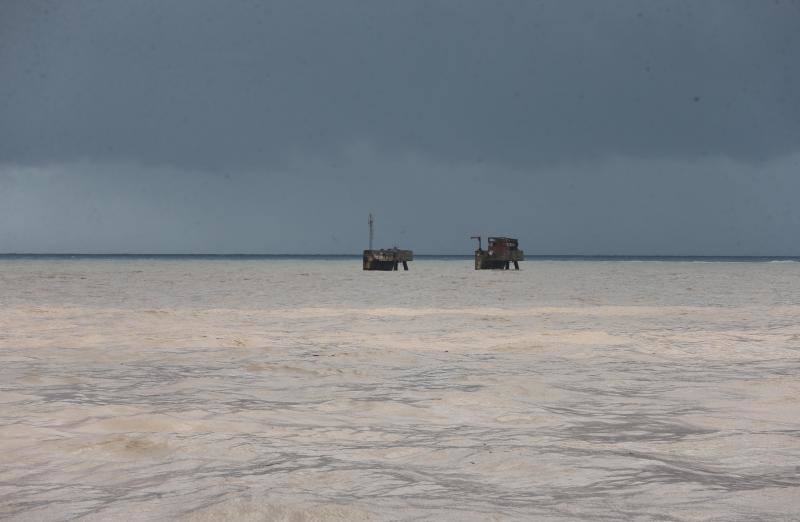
x,y
370,230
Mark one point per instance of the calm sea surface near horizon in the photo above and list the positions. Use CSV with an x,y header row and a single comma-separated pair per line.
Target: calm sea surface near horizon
x,y
306,389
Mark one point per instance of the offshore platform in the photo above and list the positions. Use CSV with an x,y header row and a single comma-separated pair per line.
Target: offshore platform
x,y
499,254
386,259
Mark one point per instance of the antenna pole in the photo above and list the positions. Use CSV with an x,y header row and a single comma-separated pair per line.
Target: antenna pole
x,y
371,231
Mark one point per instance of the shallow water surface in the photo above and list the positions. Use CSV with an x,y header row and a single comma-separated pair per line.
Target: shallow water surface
x,y
143,389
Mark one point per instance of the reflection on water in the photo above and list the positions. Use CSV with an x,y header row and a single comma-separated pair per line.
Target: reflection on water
x,y
308,390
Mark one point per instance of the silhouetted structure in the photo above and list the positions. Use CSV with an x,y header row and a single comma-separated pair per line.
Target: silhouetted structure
x,y
386,259
499,254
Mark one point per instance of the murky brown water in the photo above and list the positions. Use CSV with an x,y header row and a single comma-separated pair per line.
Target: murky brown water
x,y
309,390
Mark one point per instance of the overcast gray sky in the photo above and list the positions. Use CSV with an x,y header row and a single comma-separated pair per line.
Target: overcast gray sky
x,y
581,127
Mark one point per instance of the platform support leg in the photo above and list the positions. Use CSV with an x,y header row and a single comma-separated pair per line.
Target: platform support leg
x,y
516,265
395,267
405,266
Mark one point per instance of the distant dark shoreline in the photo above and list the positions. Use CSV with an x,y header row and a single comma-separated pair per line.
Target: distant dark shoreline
x,y
230,257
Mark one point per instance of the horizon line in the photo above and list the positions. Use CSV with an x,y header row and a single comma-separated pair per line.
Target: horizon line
x,y
527,256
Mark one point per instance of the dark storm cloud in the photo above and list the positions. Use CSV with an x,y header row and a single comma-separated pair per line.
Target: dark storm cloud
x,y
212,85
647,206
580,127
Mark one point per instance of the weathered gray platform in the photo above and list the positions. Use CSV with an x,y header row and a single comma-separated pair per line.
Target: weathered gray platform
x,y
387,259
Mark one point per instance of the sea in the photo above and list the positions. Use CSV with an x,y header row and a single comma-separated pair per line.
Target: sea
x,y
302,388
